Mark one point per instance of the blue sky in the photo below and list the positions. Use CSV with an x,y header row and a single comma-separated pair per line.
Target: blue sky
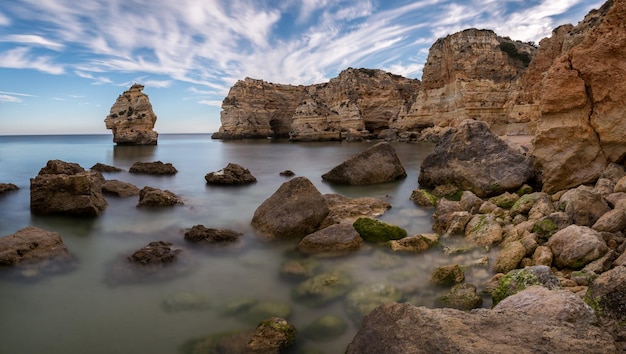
x,y
64,62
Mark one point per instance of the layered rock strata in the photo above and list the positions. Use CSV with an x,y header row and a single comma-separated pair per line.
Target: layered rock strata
x,y
131,118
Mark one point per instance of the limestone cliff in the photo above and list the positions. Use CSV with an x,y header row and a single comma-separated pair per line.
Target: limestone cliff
x,y
358,99
582,102
131,118
473,74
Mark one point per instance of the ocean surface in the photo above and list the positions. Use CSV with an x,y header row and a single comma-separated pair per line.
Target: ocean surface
x,y
84,311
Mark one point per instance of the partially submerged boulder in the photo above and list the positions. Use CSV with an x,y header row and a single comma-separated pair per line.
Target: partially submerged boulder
x,y
119,188
229,175
35,251
100,167
154,197
7,187
204,235
66,188
295,210
153,168
378,164
474,158
334,240
373,230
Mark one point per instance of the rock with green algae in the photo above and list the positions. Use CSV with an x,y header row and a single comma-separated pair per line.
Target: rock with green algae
x,y
273,335
607,294
424,198
461,297
364,298
447,275
525,203
373,230
519,279
322,288
326,327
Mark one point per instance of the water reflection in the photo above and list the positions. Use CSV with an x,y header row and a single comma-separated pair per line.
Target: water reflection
x,y
128,154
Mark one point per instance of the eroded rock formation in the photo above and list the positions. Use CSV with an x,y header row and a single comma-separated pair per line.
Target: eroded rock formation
x,y
131,118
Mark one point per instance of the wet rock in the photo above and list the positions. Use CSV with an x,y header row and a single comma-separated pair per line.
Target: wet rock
x,y
203,235
373,230
424,198
66,188
155,253
334,240
154,197
7,187
100,167
461,297
525,203
119,188
295,210
520,279
447,275
287,173
272,336
322,288
414,244
325,328
347,210
378,164
35,252
505,200
230,175
484,230
575,246
424,330
475,159
364,298
153,168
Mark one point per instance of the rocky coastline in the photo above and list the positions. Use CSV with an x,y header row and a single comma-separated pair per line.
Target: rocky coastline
x,y
554,211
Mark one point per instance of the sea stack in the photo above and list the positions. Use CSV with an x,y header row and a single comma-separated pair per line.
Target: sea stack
x,y
131,118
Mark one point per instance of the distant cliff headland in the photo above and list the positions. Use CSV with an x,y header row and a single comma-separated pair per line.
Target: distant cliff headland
x,y
567,92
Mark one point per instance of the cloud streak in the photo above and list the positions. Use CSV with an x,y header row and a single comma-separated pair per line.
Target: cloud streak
x,y
211,44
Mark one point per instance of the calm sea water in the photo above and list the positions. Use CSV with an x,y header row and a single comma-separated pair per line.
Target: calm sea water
x,y
80,312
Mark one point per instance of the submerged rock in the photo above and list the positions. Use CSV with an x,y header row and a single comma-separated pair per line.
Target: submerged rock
x,y
204,235
364,298
229,175
378,164
326,327
322,288
7,187
153,168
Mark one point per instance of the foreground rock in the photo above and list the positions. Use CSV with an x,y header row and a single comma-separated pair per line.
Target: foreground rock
x,y
231,174
378,164
295,210
131,118
66,188
154,197
153,168
475,159
35,251
424,330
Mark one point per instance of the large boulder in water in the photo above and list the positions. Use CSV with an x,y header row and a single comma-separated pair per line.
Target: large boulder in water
x,y
474,158
378,164
295,210
231,174
131,118
395,328
66,188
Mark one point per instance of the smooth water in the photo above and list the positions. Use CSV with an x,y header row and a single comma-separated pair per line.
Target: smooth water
x,y
80,312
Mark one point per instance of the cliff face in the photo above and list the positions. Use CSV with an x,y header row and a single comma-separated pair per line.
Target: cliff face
x,y
473,74
358,99
131,118
582,102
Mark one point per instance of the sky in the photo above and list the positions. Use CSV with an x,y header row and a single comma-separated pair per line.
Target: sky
x,y
64,62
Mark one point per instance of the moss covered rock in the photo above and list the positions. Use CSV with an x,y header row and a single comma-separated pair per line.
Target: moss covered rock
x,y
322,288
447,275
363,299
607,294
372,230
519,279
461,297
424,198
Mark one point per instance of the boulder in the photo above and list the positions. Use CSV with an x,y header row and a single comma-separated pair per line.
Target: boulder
x,y
153,168
334,240
509,257
584,205
447,275
475,159
373,230
462,296
203,235
575,246
119,188
155,253
378,164
35,251
295,210
607,294
154,197
403,328
131,118
414,244
7,187
484,230
272,336
100,167
66,188
231,174
424,198
520,279
347,210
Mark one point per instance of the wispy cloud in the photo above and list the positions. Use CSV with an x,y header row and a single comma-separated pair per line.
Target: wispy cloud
x,y
4,20
13,97
21,58
32,39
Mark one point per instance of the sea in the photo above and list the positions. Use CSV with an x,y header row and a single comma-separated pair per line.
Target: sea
x,y
86,310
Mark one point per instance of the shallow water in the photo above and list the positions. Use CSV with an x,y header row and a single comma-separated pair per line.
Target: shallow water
x,y
83,311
